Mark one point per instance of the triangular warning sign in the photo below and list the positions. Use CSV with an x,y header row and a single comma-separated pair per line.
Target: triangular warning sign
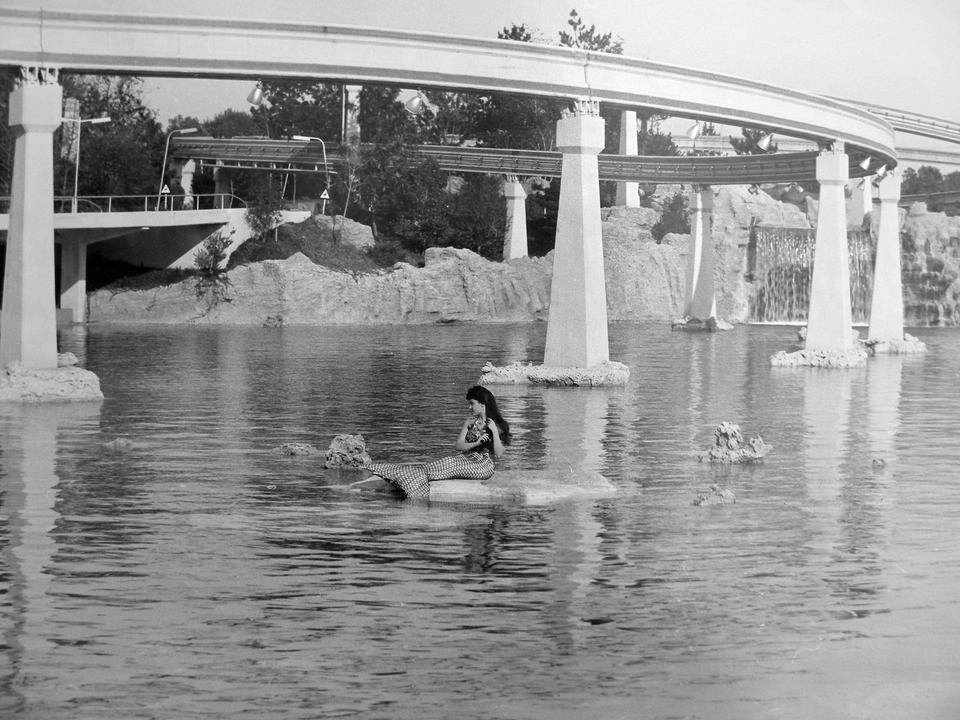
x,y
325,195
165,191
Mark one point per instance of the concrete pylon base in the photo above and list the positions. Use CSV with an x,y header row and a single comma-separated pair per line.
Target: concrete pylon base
x,y
601,374
852,357
909,345
65,383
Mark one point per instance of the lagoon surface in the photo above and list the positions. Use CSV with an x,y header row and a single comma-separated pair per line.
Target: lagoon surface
x,y
202,574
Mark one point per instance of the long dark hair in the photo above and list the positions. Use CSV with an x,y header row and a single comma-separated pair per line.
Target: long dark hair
x,y
489,402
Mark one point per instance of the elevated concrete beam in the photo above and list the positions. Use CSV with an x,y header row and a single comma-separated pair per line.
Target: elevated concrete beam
x,y
188,44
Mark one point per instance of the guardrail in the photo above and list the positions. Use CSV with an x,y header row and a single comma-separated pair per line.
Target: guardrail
x,y
137,203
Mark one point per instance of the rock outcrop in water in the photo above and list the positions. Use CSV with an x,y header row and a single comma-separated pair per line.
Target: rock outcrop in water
x,y
730,447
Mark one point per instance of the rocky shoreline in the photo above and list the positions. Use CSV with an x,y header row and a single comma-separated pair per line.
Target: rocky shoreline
x,y
644,279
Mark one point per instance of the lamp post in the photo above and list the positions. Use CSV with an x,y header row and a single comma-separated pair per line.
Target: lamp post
x,y
76,158
326,169
166,150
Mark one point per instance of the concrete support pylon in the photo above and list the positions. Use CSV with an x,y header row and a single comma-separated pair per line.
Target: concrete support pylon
x,y
829,321
701,301
73,279
515,232
222,186
577,326
886,305
188,169
628,193
863,200
29,325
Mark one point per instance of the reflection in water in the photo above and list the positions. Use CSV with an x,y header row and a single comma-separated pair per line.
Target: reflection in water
x,y
884,381
30,499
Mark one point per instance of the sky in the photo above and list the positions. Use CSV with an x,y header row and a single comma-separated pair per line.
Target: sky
x,y
894,53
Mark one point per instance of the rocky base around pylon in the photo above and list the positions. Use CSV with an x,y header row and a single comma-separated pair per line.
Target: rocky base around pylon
x,y
730,447
66,382
606,373
909,345
852,357
711,324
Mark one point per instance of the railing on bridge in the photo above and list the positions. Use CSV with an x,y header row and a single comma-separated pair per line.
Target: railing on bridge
x,y
137,203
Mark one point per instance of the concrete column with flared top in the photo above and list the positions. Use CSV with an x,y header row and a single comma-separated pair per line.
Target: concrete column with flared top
x,y
577,327
829,321
628,193
886,305
73,279
701,301
29,325
515,232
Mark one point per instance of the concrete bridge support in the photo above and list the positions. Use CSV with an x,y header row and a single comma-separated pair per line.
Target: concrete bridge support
x,y
222,186
862,200
577,328
515,233
29,332
187,170
701,302
830,320
73,279
628,193
886,305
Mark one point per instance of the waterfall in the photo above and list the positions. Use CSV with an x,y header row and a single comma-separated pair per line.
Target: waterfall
x,y
780,267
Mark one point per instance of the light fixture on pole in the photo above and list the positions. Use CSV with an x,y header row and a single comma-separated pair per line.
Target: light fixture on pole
x,y
166,150
326,169
76,159
764,142
694,132
256,96
865,163
416,104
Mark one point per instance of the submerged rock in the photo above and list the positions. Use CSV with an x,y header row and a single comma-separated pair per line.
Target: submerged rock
x,y
607,373
852,357
298,449
730,447
716,496
347,451
907,346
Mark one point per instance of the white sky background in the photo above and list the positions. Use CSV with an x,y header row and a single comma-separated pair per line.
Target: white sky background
x,y
900,54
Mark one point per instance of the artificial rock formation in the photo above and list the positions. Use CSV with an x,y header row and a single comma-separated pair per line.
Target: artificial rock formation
x,y
730,447
347,451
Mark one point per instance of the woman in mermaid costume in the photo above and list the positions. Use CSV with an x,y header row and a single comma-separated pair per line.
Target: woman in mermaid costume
x,y
482,439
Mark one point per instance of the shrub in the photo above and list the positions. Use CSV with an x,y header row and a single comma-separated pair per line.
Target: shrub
x,y
674,218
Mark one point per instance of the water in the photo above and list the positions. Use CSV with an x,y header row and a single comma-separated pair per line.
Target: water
x,y
782,268
199,574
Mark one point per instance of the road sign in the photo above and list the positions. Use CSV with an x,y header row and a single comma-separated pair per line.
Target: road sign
x,y
324,195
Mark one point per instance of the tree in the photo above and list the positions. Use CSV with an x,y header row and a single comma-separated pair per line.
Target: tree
x,y
107,149
589,38
231,123
926,179
749,143
300,107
